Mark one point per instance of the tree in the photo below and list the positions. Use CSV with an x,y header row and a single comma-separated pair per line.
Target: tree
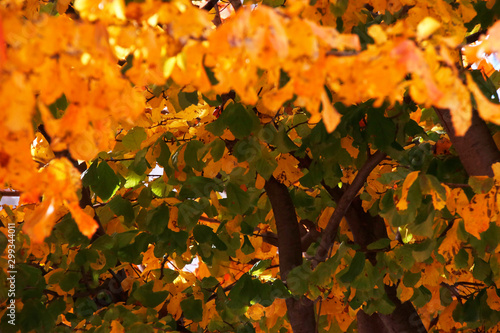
x,y
315,166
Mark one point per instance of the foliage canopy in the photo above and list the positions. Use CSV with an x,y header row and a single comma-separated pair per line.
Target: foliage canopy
x,y
315,166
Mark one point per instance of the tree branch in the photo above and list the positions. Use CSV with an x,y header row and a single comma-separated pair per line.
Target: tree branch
x,y
236,4
343,205
209,5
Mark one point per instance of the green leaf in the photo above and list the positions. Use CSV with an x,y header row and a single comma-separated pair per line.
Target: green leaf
x,y
247,246
238,201
381,129
284,78
85,307
203,233
247,149
218,148
192,309
199,187
158,219
461,259
481,185
486,86
132,179
159,188
129,61
239,120
260,267
122,207
283,142
265,165
164,157
170,275
139,165
211,75
189,213
379,244
209,282
145,197
148,297
355,268
187,99
481,269
102,180
421,296
133,139
194,153
410,279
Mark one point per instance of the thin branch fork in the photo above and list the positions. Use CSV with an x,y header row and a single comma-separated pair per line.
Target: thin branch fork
x,y
9,193
343,205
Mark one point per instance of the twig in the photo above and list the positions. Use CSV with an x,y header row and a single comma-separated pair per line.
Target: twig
x,y
209,5
236,4
165,259
9,193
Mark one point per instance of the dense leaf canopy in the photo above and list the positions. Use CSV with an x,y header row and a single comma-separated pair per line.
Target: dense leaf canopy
x,y
256,166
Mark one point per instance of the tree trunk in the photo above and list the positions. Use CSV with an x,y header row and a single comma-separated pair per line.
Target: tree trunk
x,y
370,324
300,310
476,149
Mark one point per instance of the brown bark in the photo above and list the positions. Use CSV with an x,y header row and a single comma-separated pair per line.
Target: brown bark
x,y
300,310
404,319
476,149
370,324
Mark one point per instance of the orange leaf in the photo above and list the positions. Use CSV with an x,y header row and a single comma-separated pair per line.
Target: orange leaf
x,y
487,110
39,223
493,300
3,45
86,224
330,116
116,327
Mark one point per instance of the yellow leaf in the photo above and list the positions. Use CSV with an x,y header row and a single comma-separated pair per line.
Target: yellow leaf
x,y
377,33
40,149
168,66
330,116
410,179
427,27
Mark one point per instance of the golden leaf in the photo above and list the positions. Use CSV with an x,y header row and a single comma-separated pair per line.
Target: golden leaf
x,y
475,215
427,27
410,179
116,327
